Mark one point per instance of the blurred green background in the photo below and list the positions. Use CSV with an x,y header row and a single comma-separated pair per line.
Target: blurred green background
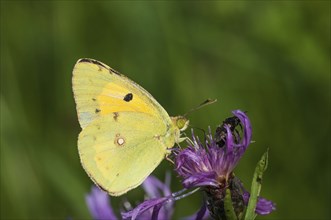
x,y
271,59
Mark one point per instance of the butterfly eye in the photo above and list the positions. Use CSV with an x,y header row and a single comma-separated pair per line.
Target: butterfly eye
x,y
182,123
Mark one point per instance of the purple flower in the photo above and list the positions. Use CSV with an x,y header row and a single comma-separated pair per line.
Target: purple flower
x,y
212,165
98,202
99,205
209,166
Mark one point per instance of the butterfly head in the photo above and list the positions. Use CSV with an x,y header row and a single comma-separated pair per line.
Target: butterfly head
x,y
180,122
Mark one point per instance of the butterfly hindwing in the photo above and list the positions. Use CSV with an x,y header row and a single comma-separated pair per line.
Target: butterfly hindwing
x,y
119,153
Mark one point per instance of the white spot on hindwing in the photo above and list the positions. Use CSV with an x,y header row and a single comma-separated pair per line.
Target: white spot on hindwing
x,y
119,141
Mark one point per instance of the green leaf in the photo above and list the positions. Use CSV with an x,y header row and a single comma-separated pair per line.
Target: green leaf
x,y
256,186
229,210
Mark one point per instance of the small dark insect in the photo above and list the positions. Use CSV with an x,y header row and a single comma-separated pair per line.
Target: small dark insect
x,y
221,132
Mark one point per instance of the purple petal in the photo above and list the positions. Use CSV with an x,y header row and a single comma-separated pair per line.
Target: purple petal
x,y
141,208
263,206
201,214
154,188
99,205
160,203
200,179
247,128
151,186
156,211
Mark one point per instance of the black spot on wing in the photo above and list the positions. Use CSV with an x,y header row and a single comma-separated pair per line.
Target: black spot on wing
x,y
97,110
128,97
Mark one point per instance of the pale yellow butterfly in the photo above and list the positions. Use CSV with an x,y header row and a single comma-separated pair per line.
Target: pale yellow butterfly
x,y
125,132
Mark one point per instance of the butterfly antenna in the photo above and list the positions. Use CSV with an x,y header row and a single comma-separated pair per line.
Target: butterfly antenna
x,y
203,104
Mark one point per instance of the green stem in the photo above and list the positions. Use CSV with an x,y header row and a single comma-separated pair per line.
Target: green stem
x,y
256,186
229,210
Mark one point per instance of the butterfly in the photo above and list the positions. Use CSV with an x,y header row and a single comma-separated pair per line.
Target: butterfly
x,y
125,133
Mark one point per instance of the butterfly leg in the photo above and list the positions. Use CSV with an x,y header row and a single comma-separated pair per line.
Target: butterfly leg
x,y
169,159
187,139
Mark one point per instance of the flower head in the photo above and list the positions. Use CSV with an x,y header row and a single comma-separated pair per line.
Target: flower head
x,y
210,164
